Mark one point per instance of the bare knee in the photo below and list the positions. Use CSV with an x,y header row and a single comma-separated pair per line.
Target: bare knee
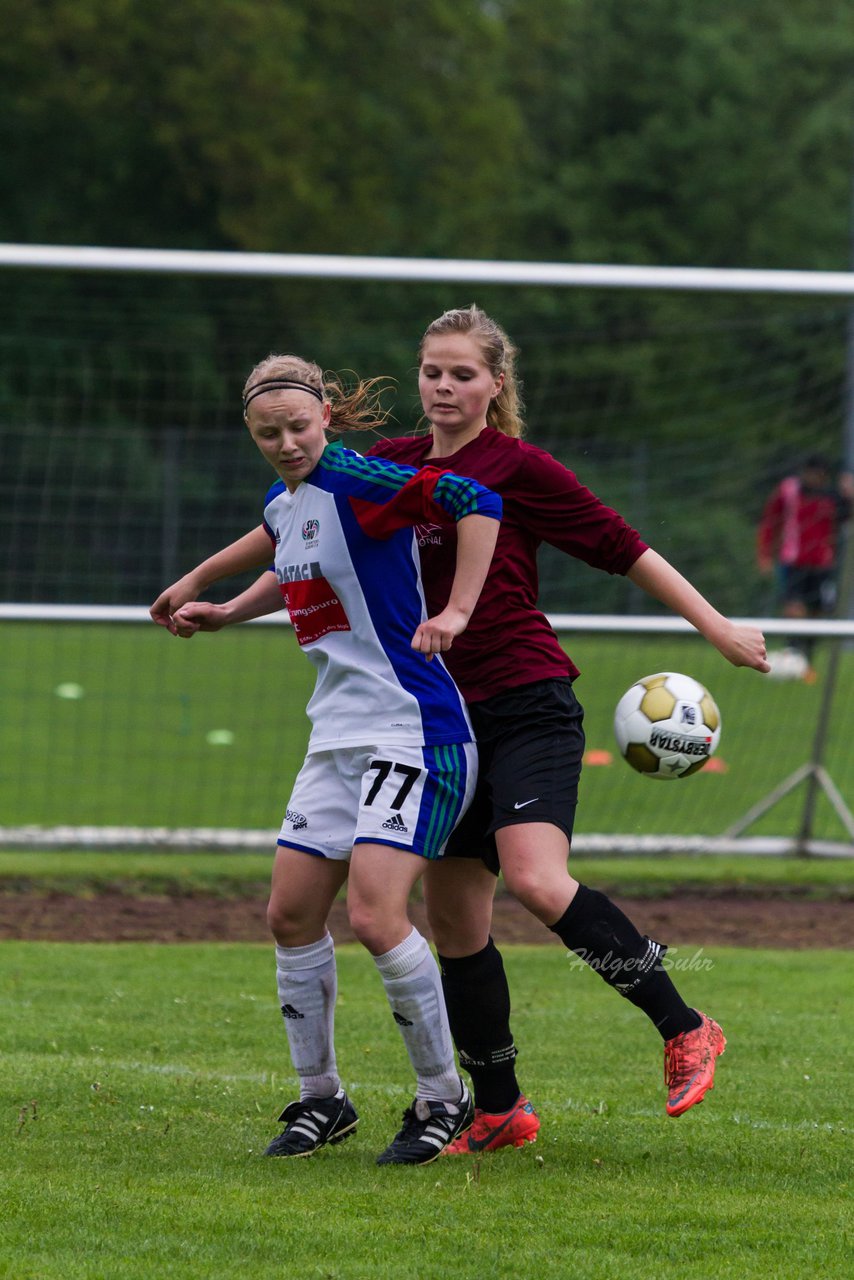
x,y
533,861
461,928
378,928
367,928
458,895
542,892
292,925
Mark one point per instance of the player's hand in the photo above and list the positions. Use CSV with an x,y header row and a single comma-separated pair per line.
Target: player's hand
x,y
744,646
171,600
200,616
436,635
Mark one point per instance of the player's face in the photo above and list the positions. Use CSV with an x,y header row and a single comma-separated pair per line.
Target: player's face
x,y
289,429
456,387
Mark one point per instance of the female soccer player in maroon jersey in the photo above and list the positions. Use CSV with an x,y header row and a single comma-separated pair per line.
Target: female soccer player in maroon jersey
x,y
517,681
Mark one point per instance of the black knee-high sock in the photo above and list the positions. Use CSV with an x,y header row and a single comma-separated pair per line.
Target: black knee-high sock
x,y
478,1002
597,930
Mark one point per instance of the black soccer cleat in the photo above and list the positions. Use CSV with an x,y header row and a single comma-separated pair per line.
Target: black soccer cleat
x,y
428,1127
311,1124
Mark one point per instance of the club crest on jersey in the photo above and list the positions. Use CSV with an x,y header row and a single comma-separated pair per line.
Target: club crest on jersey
x,y
310,530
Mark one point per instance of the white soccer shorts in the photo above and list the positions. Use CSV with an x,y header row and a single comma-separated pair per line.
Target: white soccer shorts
x,y
410,797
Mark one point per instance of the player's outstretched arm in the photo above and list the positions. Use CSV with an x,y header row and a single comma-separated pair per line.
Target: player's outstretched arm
x,y
742,645
476,538
261,598
252,551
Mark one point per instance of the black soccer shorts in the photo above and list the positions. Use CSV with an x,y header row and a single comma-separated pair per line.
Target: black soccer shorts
x,y
530,742
815,589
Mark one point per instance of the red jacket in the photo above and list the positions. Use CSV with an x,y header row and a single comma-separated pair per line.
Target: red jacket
x,y
800,526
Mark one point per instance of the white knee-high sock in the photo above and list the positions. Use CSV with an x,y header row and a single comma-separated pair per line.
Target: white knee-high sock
x,y
413,986
307,984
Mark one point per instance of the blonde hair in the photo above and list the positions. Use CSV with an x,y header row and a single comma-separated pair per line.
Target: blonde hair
x,y
499,355
353,408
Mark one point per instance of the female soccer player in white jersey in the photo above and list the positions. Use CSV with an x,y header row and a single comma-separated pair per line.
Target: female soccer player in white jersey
x,y
391,762
517,682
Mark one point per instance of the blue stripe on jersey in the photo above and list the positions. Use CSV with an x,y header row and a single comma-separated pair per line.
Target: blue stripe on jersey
x,y
463,497
273,492
379,480
391,475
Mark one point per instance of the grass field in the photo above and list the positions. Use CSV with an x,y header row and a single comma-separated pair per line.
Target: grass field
x,y
244,875
133,747
140,1084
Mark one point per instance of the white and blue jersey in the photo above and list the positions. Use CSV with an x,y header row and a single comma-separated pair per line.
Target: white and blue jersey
x,y
347,563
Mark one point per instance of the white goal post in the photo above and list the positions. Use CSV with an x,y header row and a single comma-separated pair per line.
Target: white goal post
x,y
829,628
444,270
836,635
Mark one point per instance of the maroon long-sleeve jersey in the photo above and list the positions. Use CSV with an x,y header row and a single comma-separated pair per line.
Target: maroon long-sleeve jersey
x,y
508,641
800,525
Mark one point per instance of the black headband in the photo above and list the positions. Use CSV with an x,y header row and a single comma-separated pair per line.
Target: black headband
x,y
280,384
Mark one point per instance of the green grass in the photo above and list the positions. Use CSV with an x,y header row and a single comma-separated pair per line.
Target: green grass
x,y
768,730
134,749
248,875
140,1084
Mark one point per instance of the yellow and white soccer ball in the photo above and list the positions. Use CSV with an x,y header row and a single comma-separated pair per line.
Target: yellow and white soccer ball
x,y
667,725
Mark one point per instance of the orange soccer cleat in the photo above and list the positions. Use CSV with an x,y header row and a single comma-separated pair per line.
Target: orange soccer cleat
x,y
491,1130
689,1065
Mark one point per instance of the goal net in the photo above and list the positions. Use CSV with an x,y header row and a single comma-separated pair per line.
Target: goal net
x,y
125,462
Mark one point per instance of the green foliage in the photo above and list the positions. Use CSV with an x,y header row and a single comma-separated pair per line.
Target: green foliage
x,y
583,129
142,1083
343,127
567,130
682,134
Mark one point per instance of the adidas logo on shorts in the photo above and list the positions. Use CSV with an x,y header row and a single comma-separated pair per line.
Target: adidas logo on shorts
x,y
395,823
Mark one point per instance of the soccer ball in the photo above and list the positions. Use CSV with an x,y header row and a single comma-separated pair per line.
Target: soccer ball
x,y
667,725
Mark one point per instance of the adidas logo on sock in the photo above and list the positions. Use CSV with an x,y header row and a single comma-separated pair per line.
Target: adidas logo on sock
x,y
400,1020
395,823
288,1011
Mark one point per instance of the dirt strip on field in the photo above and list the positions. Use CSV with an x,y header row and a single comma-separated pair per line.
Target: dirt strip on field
x,y
733,919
